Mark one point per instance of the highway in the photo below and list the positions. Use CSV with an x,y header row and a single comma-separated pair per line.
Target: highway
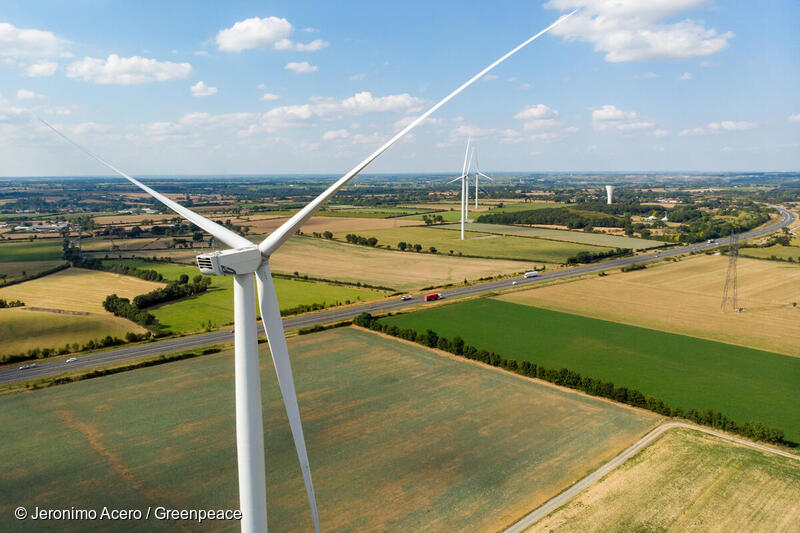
x,y
10,374
554,503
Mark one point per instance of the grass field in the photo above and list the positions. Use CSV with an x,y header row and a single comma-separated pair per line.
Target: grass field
x,y
688,482
779,251
401,270
480,244
684,297
399,439
682,371
216,305
11,252
598,239
76,289
16,268
21,329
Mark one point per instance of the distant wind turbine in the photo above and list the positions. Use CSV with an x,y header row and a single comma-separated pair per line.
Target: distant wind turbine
x,y
464,178
478,174
243,260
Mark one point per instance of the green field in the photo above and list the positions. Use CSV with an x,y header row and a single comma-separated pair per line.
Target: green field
x,y
479,244
37,250
685,372
688,482
399,439
216,305
781,252
598,239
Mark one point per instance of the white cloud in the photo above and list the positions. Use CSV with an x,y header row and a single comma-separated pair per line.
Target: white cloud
x,y
313,46
200,53
537,111
357,77
364,102
591,148
201,89
636,30
268,32
794,118
541,124
726,149
41,69
335,134
18,42
25,94
489,77
660,133
300,67
686,76
611,117
547,137
467,130
719,127
126,70
645,76
269,96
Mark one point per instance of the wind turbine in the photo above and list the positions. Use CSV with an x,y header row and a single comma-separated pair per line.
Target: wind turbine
x,y
478,173
243,260
464,177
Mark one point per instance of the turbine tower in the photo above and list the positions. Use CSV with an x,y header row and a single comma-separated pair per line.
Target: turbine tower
x,y
464,178
244,260
610,194
478,173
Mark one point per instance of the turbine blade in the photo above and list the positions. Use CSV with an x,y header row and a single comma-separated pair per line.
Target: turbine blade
x,y
273,325
485,176
461,177
464,168
219,232
279,236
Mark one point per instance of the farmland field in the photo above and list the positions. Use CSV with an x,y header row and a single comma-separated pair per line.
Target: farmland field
x,y
264,224
781,252
216,305
400,270
16,268
30,251
76,289
599,239
684,297
692,482
684,372
382,458
21,329
481,244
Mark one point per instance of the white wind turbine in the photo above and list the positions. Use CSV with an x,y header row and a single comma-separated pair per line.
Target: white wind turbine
x,y
243,260
478,174
464,178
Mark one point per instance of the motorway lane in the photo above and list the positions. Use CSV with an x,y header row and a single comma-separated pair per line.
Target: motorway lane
x,y
118,355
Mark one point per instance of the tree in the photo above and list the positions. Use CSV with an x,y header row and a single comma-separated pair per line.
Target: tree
x,y
328,235
402,245
432,249
372,241
183,279
417,247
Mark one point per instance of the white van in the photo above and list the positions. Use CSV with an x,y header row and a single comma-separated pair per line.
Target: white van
x,y
531,274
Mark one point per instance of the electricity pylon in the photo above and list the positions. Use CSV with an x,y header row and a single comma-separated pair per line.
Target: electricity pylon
x,y
730,294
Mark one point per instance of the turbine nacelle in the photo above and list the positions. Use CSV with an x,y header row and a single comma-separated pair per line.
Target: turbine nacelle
x,y
225,262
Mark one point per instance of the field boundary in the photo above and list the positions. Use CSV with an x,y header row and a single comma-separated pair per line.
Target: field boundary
x,y
620,459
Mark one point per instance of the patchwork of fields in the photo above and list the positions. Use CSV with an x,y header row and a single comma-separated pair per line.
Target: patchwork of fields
x,y
216,305
498,246
689,482
684,298
597,239
382,457
400,270
685,372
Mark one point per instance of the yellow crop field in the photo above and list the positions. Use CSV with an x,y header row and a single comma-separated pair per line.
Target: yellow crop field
x,y
267,224
689,482
399,270
684,297
76,289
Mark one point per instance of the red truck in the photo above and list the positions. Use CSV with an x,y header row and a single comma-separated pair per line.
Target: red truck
x,y
433,296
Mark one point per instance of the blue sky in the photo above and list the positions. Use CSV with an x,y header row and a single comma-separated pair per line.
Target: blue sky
x,y
313,87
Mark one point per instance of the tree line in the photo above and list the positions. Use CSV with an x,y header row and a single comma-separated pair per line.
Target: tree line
x,y
4,304
561,216
569,378
592,257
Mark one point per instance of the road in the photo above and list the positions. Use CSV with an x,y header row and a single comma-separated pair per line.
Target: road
x,y
556,502
118,355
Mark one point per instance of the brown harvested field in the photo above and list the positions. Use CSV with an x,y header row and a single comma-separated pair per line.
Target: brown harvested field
x,y
76,289
688,481
157,218
684,297
263,224
399,438
399,270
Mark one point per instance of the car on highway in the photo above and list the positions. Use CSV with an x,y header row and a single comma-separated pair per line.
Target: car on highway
x,y
71,360
24,367
406,297
514,283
